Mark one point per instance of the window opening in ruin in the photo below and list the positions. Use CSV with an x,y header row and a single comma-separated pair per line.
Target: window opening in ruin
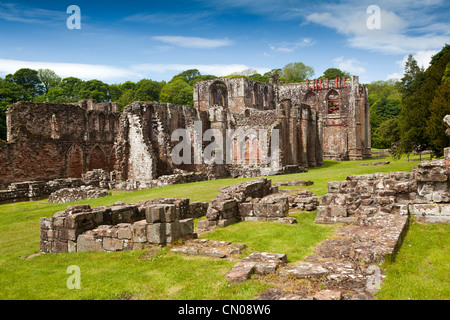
x,y
333,102
219,94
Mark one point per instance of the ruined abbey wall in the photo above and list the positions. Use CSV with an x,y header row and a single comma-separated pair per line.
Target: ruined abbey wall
x,y
238,127
49,141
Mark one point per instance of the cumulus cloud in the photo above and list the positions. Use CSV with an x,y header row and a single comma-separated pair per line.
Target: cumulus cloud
x,y
353,66
194,42
83,71
111,74
406,26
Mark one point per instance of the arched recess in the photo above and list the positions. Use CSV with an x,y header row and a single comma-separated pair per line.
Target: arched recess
x,y
112,123
266,98
101,121
333,102
219,94
310,98
256,97
74,162
97,159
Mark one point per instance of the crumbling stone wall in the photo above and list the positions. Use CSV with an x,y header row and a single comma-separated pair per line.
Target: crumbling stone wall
x,y
249,201
120,226
423,193
345,129
48,141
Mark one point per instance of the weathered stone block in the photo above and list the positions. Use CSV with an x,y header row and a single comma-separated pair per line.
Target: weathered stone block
x,y
139,231
156,233
173,232
124,231
338,211
112,244
226,222
46,223
186,226
87,242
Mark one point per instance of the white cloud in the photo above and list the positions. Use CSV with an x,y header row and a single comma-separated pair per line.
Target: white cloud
x,y
194,42
406,26
83,71
288,47
215,69
353,66
112,74
24,14
394,75
423,59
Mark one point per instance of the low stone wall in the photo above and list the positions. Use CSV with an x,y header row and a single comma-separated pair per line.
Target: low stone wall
x,y
76,194
35,190
120,226
255,200
162,181
364,196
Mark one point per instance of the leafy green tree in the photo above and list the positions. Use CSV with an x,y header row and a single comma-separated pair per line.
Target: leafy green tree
x,y
126,98
177,91
201,78
439,108
148,90
188,75
332,73
49,79
387,134
296,72
95,89
412,125
29,80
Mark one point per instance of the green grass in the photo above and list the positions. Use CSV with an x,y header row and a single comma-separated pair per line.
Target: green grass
x,y
160,274
422,267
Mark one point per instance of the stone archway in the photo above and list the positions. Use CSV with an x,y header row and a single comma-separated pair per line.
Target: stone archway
x,y
75,162
97,159
219,94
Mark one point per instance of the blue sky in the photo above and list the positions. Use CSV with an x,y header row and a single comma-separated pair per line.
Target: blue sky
x,y
131,40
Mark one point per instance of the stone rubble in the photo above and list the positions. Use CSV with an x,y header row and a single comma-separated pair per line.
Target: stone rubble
x,y
76,194
255,200
210,248
120,226
256,263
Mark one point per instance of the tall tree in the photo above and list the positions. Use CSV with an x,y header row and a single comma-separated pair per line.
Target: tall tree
x,y
48,78
177,91
332,73
296,72
29,80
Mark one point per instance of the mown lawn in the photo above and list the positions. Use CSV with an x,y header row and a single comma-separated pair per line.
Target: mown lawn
x,y
159,274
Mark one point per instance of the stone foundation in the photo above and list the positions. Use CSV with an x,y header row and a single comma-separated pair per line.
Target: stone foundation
x,y
364,196
118,227
249,201
76,194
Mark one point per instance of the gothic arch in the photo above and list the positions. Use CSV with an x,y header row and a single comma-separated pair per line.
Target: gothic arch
x,y
218,94
75,162
310,98
97,159
332,99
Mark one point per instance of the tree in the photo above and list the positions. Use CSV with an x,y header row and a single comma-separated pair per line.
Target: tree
x,y
439,108
188,75
95,89
177,91
296,72
29,80
412,125
333,73
148,90
387,134
48,78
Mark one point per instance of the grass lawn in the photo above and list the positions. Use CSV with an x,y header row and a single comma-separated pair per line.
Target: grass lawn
x,y
157,273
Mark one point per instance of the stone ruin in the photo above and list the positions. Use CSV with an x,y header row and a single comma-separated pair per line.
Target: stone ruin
x,y
315,120
120,226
